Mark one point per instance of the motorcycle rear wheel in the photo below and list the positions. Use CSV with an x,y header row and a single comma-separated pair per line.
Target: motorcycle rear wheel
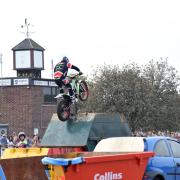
x,y
63,110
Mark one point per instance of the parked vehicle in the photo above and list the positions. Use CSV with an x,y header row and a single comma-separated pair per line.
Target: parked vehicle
x,y
165,165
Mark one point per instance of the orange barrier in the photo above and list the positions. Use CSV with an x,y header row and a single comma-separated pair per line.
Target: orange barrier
x,y
10,153
102,166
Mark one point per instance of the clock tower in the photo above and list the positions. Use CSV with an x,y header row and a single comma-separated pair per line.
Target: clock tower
x,y
28,59
27,101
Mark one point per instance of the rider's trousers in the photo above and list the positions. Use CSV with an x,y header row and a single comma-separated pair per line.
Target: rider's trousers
x,y
66,83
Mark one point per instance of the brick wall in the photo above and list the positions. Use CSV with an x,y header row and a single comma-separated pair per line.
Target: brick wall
x,y
22,108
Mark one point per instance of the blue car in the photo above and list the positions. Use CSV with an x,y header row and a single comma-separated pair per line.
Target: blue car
x,y
165,165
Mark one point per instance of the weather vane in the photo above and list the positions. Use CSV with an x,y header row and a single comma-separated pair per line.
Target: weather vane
x,y
26,26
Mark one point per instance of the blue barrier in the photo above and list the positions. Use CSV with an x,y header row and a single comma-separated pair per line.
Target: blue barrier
x,y
2,175
62,161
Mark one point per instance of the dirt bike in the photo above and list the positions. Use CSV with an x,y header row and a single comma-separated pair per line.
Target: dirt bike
x,y
66,109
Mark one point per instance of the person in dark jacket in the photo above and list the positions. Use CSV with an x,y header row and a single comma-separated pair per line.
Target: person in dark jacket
x,y
4,140
60,73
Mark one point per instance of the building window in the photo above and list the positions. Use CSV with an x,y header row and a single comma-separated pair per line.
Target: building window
x,y
49,94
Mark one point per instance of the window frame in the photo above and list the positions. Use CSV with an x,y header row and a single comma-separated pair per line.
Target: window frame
x,y
162,140
51,95
171,140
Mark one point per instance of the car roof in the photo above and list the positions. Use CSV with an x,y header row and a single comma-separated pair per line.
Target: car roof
x,y
151,141
158,138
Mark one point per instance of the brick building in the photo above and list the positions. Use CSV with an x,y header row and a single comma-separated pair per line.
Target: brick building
x,y
27,101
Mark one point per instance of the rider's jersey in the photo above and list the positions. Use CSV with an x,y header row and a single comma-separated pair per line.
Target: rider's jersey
x,y
61,69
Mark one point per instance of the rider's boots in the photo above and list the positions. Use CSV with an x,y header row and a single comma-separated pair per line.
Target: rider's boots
x,y
73,99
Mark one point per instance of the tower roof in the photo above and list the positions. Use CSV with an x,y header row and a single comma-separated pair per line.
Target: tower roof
x,y
28,44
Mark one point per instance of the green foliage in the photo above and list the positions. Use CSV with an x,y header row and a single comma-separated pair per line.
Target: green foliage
x,y
148,95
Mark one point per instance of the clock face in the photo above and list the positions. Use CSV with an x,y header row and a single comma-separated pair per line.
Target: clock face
x,y
38,59
23,59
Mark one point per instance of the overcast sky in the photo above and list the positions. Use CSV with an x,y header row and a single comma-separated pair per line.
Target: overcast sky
x,y
92,32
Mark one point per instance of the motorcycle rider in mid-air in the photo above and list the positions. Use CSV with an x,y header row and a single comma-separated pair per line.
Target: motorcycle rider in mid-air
x,y
60,73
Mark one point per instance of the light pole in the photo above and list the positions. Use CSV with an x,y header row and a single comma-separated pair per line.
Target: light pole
x,y
52,68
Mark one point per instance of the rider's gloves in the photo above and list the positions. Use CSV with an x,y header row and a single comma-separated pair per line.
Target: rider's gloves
x,y
80,73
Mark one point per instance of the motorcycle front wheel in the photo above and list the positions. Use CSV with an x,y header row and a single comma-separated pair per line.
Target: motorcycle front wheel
x,y
63,110
83,91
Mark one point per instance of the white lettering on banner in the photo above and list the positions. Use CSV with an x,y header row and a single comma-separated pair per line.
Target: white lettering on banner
x,y
52,83
5,82
41,83
108,176
21,81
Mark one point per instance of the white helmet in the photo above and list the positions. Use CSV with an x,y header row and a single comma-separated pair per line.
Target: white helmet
x,y
22,134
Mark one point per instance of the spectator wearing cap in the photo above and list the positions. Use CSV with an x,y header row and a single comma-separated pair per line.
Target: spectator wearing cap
x,y
22,140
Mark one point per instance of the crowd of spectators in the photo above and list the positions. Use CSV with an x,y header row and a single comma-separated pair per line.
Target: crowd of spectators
x,y
167,133
19,141
22,141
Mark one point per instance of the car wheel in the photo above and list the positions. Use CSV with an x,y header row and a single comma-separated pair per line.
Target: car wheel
x,y
158,178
